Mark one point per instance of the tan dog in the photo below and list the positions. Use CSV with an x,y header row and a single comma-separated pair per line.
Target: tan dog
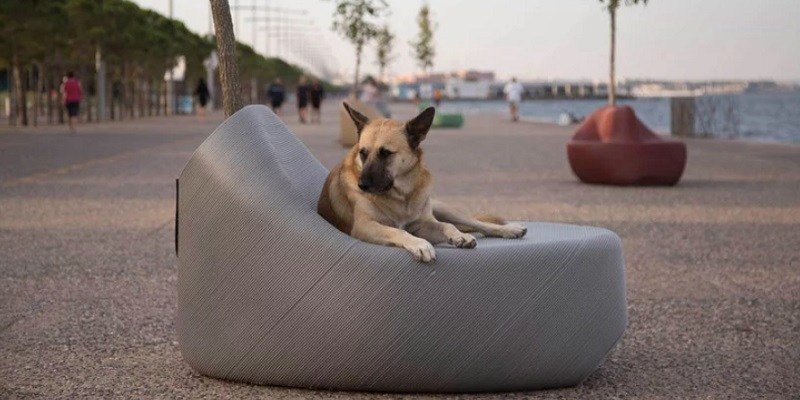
x,y
380,192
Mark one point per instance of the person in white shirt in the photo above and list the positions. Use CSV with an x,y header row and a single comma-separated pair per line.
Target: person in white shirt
x,y
513,92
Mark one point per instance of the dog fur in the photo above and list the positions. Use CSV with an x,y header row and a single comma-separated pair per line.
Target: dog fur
x,y
381,192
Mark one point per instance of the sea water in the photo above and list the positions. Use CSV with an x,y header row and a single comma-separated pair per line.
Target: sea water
x,y
752,116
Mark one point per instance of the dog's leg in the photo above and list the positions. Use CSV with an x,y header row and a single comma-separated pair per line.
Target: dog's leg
x,y
374,232
445,213
440,232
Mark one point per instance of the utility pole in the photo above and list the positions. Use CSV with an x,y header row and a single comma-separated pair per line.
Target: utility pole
x,y
170,84
275,23
210,21
236,17
267,37
100,68
253,10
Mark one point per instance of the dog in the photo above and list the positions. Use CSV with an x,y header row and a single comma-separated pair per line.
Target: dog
x,y
381,192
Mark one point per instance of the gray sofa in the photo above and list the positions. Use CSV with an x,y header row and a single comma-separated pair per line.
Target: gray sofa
x,y
270,293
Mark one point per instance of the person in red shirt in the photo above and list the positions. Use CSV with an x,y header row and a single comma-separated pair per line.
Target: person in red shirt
x,y
71,89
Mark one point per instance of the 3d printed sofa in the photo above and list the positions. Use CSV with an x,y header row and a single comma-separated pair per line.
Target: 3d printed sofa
x,y
614,147
270,293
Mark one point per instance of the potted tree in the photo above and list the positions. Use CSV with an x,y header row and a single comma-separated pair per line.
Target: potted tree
x,y
612,146
355,21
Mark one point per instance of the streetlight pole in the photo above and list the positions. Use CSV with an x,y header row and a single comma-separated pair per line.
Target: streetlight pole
x,y
170,83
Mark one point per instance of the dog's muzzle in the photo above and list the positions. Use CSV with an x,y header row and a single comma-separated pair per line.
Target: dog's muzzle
x,y
371,186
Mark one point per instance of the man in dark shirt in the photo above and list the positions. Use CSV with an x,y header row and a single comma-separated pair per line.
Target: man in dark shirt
x,y
317,93
277,94
302,99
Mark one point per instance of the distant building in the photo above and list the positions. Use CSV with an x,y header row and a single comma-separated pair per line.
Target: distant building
x,y
470,84
463,84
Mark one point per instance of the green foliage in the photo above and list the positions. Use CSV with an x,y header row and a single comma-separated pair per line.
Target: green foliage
x,y
134,42
24,34
253,65
383,52
613,5
423,47
353,20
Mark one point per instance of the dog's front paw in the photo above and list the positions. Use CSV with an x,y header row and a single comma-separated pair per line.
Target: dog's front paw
x,y
512,231
463,241
422,250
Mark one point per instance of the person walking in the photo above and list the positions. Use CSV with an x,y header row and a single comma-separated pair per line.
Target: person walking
x,y
302,99
72,92
203,95
513,91
437,97
371,95
277,94
316,93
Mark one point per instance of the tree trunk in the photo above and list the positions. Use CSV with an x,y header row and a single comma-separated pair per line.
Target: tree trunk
x,y
165,93
612,81
226,50
12,99
49,89
84,114
35,85
130,92
149,100
88,106
60,99
157,97
140,89
358,69
112,101
19,91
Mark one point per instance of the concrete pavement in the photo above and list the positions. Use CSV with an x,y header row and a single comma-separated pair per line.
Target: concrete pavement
x,y
88,272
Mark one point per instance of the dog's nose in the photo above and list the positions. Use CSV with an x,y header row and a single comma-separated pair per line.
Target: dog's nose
x,y
364,184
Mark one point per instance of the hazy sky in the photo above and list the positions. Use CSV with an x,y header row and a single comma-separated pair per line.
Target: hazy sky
x,y
545,39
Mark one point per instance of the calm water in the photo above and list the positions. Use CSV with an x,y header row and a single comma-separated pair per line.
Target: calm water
x,y
764,117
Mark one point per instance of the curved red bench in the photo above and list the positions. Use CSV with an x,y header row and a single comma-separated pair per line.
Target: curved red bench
x,y
614,147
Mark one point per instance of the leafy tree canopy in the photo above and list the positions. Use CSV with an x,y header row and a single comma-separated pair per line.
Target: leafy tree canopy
x,y
423,47
142,42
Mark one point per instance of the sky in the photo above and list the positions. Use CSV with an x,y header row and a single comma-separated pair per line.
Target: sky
x,y
557,39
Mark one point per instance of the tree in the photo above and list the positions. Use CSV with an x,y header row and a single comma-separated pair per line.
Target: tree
x,y
26,39
353,20
226,50
40,40
612,6
383,54
423,46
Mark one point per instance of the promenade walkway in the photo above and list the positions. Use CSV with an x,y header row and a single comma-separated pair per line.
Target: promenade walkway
x,y
88,269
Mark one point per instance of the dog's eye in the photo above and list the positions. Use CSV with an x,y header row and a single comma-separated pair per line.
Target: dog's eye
x,y
384,153
363,153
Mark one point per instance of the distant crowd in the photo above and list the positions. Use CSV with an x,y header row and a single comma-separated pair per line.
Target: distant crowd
x,y
305,93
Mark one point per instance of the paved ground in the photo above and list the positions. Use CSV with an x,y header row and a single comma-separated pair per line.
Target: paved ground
x,y
88,273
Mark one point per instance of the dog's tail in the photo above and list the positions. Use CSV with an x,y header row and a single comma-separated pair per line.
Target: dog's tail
x,y
488,218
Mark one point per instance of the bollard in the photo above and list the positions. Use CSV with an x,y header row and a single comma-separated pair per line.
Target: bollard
x,y
682,116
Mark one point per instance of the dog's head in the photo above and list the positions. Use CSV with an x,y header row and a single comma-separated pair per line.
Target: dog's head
x,y
388,149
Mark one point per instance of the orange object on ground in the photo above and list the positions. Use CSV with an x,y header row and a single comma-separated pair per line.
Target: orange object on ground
x,y
614,147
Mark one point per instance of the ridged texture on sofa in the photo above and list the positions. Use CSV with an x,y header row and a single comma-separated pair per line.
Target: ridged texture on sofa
x,y
270,293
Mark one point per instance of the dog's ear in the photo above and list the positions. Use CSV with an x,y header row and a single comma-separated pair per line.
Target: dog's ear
x,y
417,128
359,119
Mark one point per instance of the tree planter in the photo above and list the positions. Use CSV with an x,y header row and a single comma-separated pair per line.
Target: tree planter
x,y
614,147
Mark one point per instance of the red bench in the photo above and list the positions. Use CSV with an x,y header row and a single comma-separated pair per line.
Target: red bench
x,y
614,147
